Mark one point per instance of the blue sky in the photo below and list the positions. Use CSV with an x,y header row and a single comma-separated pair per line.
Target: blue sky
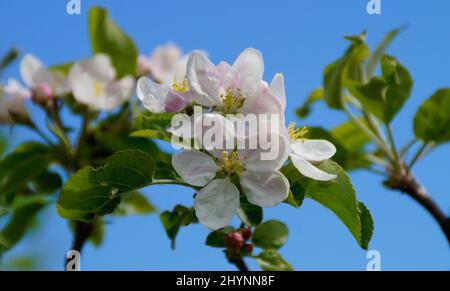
x,y
297,38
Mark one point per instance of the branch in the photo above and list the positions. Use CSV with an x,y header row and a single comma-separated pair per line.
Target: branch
x,y
83,230
239,263
408,184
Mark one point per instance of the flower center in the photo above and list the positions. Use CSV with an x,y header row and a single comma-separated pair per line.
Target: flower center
x,y
181,87
296,133
99,89
232,101
231,164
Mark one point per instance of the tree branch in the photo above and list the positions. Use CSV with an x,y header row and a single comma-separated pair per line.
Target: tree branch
x,y
408,184
239,263
83,230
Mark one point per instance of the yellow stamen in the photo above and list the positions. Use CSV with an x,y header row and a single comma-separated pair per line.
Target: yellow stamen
x,y
231,164
179,86
99,89
232,101
296,133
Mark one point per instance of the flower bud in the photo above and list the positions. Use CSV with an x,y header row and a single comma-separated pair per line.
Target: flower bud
x,y
42,94
234,241
247,250
246,232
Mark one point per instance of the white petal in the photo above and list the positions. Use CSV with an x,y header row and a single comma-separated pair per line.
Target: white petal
x,y
194,167
265,190
277,89
272,151
152,95
263,102
33,72
214,132
314,150
216,204
83,88
15,90
203,79
309,170
248,70
99,67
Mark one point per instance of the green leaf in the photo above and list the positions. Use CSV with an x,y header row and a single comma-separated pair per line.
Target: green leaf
x,y
63,68
172,221
98,232
134,203
107,37
22,217
315,96
90,192
271,234
351,136
384,96
375,57
216,238
348,67
47,183
432,120
27,162
8,59
337,195
153,125
249,214
271,260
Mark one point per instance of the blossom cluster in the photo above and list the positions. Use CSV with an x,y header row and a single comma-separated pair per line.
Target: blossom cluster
x,y
225,174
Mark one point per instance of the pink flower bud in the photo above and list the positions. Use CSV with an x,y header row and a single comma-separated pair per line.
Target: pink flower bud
x,y
246,232
234,241
43,92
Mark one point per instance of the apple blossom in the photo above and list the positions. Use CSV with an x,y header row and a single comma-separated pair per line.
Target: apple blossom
x,y
165,64
236,88
305,152
12,97
44,83
220,171
93,83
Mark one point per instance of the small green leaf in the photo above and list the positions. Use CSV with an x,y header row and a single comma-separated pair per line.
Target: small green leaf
x,y
172,221
375,57
90,192
107,37
315,96
432,120
348,67
216,238
250,214
271,260
271,234
22,217
47,183
153,125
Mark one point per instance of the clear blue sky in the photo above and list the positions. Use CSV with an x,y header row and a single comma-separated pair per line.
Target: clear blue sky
x,y
297,38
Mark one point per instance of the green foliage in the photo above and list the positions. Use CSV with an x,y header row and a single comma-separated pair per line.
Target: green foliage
x,y
216,238
315,96
47,182
107,37
27,162
337,195
172,221
90,192
25,210
8,59
344,69
384,96
271,260
432,120
271,234
152,125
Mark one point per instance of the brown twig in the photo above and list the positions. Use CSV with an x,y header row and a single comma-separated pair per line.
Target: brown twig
x,y
407,183
239,263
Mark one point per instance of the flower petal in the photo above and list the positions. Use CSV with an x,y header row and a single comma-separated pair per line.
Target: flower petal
x,y
263,102
203,79
265,190
314,150
216,204
277,89
99,67
33,72
309,170
152,95
83,88
248,70
194,167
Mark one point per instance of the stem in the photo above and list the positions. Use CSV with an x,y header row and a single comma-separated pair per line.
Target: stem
x,y
408,184
239,263
373,136
418,155
83,230
172,182
393,147
41,133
